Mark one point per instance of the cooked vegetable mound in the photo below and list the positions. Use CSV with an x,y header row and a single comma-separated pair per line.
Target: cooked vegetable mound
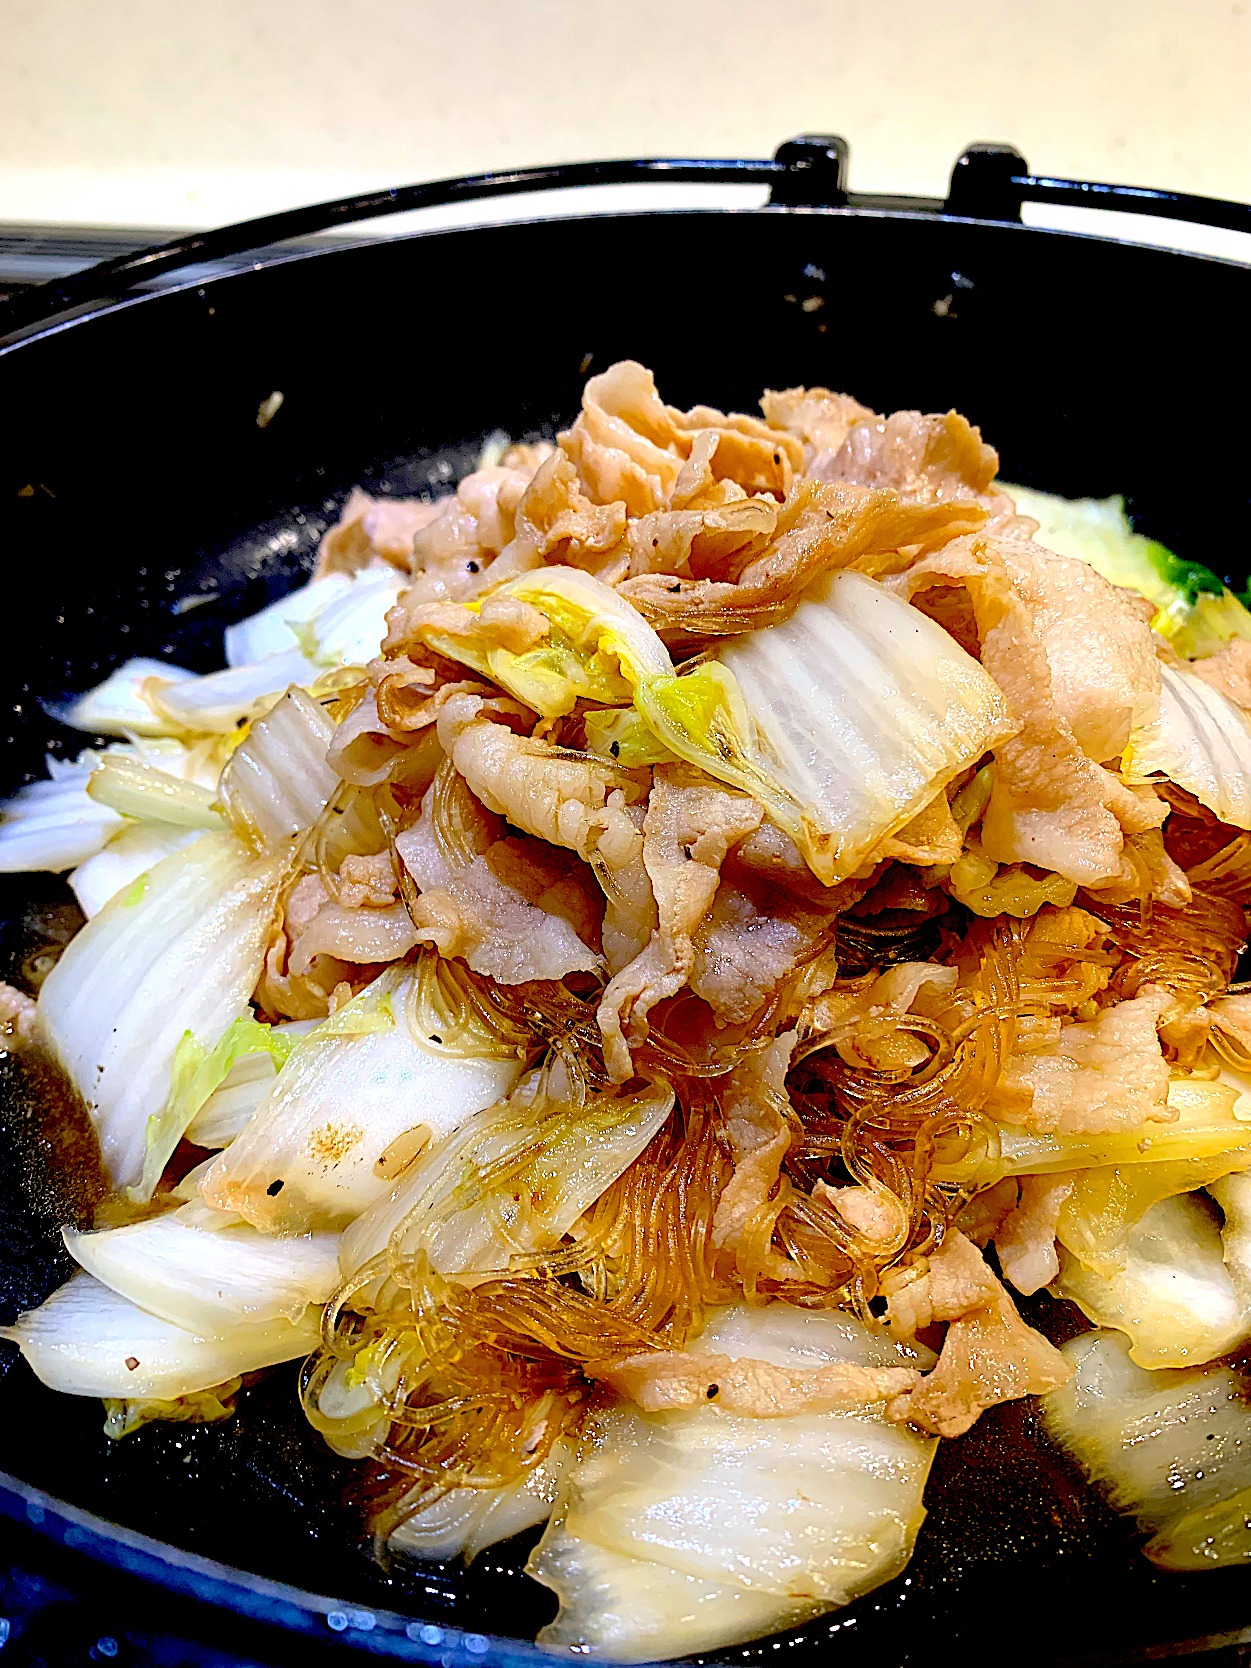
x,y
600,969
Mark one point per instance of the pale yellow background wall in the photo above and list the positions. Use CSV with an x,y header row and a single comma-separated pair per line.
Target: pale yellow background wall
x,y
172,112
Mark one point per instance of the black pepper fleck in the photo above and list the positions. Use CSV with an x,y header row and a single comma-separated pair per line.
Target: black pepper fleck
x,y
877,1306
274,1189
615,749
473,567
713,1391
674,589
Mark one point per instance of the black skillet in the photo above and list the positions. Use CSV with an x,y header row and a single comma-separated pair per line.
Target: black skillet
x,y
137,479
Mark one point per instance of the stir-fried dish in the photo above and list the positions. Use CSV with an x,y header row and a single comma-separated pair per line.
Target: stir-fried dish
x,y
630,975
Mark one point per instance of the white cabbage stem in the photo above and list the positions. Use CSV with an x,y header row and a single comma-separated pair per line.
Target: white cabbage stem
x,y
90,1341
179,951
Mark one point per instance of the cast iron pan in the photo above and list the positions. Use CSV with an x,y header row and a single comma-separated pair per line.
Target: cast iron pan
x,y
137,481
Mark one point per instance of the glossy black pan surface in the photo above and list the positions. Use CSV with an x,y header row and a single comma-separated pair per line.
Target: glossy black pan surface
x,y
136,477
